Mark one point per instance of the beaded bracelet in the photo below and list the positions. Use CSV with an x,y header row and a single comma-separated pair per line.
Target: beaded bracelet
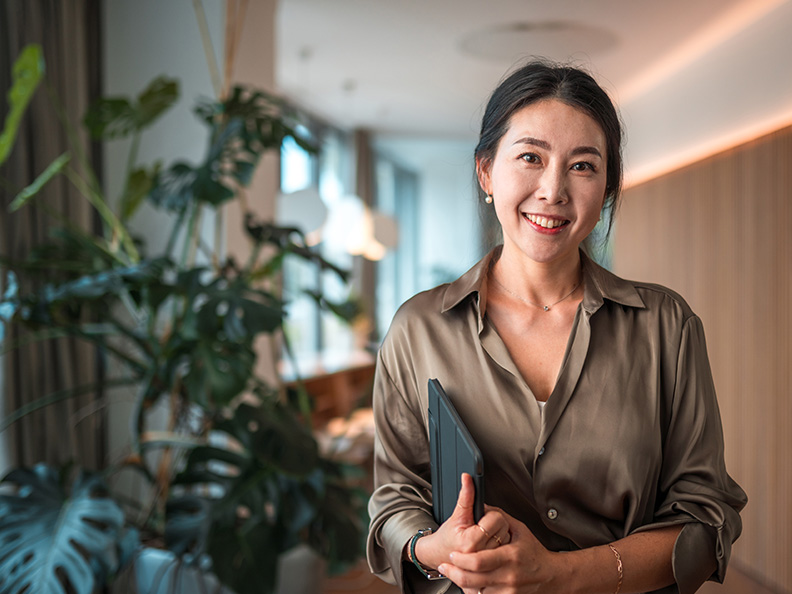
x,y
619,568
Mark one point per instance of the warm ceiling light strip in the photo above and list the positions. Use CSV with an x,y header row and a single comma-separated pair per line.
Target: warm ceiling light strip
x,y
659,167
740,17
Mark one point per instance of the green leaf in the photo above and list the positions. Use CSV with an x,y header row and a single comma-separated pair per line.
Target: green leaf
x,y
173,189
218,372
28,72
138,185
118,117
246,557
51,543
155,100
270,491
189,521
110,118
161,572
346,310
29,192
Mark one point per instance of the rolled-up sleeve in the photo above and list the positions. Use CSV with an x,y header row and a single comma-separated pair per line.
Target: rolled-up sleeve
x,y
694,487
401,503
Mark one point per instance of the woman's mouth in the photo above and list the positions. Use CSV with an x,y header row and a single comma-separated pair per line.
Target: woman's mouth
x,y
545,222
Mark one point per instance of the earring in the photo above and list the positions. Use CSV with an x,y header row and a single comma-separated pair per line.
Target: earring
x,y
488,199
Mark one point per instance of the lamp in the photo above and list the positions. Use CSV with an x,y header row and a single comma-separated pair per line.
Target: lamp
x,y
303,209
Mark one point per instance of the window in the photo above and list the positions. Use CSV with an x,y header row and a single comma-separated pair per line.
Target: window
x,y
319,340
396,191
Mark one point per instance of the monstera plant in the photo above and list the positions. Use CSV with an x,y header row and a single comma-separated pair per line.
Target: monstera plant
x,y
238,475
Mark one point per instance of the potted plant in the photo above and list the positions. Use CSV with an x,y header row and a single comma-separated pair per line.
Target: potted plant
x,y
238,478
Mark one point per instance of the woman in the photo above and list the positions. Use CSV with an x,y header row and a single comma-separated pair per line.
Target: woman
x,y
590,396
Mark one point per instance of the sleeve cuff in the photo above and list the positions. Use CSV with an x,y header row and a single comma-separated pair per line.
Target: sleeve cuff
x,y
698,556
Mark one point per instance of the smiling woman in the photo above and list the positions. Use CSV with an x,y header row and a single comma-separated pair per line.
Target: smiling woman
x,y
589,396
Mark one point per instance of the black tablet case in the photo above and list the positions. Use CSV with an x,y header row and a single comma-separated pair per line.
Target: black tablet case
x,y
452,451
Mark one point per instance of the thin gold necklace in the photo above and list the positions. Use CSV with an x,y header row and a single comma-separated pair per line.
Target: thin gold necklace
x,y
524,300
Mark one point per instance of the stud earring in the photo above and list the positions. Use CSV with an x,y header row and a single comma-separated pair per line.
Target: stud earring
x,y
488,199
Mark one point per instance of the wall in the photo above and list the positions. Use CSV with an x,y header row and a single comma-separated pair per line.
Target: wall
x,y
719,233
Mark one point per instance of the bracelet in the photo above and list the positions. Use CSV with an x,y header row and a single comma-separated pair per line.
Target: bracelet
x,y
619,568
430,574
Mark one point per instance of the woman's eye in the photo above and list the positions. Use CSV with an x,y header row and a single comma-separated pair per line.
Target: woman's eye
x,y
530,158
583,166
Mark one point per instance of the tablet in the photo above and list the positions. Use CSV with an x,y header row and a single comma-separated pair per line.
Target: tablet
x,y
452,451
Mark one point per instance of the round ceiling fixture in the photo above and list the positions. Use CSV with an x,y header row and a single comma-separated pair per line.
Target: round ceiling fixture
x,y
558,40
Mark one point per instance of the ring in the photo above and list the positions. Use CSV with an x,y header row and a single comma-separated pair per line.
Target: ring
x,y
487,534
497,538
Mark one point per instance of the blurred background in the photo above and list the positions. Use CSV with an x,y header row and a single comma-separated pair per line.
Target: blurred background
x,y
392,94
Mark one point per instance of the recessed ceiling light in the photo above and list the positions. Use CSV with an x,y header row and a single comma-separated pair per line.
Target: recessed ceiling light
x,y
558,40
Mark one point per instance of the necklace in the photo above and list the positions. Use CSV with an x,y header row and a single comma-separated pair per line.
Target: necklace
x,y
524,300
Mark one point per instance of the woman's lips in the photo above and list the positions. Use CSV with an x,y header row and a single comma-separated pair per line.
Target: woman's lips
x,y
546,224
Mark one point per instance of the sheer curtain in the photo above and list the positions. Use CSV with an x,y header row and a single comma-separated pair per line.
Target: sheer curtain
x,y
72,430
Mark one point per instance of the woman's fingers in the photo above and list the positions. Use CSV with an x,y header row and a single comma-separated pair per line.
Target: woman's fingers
x,y
480,562
463,512
465,579
494,529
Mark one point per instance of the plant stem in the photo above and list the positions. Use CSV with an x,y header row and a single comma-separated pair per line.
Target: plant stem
x,y
191,226
302,392
108,216
131,160
74,141
177,225
206,40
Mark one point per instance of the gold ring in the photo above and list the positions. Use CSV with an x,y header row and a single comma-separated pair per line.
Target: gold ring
x,y
496,537
487,534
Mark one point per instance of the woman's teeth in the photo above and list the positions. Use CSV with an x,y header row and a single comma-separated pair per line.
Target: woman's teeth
x,y
546,223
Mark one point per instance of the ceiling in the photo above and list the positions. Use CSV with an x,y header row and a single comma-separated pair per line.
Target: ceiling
x,y
409,68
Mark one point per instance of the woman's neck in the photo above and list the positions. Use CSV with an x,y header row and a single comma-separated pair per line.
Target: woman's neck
x,y
538,282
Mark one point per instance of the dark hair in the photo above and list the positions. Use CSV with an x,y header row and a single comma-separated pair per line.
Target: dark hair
x,y
538,80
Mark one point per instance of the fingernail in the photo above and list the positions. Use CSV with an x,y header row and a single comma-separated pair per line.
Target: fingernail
x,y
451,556
442,568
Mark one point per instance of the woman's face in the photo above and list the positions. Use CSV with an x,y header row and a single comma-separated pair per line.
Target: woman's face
x,y
548,181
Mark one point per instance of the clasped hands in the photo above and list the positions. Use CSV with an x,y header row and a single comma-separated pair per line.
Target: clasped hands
x,y
499,553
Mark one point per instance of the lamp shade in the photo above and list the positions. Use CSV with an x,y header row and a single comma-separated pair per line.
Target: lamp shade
x,y
386,230
303,209
348,225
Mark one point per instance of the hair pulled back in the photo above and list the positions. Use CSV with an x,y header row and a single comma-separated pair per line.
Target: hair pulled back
x,y
538,80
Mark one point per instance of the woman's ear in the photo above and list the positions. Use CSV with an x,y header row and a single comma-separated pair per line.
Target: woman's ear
x,y
483,167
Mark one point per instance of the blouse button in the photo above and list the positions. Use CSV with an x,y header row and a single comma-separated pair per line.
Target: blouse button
x,y
552,513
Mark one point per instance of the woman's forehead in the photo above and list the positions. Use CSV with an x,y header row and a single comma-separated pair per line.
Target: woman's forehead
x,y
553,124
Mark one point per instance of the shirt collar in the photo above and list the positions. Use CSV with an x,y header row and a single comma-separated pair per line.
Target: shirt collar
x,y
599,284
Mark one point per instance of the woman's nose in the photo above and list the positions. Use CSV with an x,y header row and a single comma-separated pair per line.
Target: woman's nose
x,y
552,186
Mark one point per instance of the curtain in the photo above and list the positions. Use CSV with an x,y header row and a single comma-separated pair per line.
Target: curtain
x,y
71,430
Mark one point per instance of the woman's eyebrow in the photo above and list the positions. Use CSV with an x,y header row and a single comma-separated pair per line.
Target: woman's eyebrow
x,y
533,141
543,144
586,150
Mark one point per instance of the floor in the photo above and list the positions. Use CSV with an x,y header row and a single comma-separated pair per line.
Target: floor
x,y
358,579
361,581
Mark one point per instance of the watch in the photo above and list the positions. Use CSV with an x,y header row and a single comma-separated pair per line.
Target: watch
x,y
430,574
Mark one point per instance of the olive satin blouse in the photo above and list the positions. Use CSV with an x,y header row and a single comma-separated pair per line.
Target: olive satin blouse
x,y
630,438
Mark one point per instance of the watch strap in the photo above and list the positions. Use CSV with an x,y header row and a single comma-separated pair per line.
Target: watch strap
x,y
430,574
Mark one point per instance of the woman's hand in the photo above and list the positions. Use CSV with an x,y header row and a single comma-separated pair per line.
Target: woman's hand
x,y
523,565
461,533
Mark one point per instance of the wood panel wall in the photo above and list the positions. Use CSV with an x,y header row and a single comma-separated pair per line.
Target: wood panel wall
x,y
720,233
